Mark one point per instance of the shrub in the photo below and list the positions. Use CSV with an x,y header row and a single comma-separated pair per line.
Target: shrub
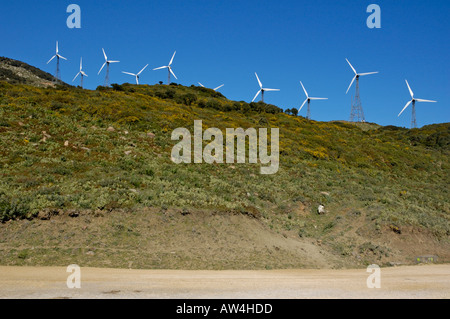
x,y
117,87
188,99
213,104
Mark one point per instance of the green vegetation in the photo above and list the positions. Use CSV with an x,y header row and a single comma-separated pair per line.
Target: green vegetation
x,y
65,148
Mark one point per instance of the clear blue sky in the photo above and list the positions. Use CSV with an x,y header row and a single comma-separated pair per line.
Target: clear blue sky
x,y
228,41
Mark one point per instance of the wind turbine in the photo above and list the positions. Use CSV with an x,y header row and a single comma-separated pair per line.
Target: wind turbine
x,y
309,99
136,75
262,90
107,63
413,101
219,87
169,67
80,73
57,56
357,110
213,89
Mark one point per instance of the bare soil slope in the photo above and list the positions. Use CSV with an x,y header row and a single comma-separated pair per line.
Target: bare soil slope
x,y
197,239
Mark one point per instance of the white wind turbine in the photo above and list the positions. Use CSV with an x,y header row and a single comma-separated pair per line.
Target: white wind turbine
x,y
262,90
357,75
107,63
136,75
213,89
309,99
81,73
169,67
413,101
57,56
357,110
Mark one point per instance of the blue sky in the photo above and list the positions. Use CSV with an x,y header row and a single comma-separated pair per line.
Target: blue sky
x,y
226,42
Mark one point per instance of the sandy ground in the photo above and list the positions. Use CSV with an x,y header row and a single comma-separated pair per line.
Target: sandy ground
x,y
423,281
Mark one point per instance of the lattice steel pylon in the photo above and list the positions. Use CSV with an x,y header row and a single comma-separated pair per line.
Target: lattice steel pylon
x,y
57,56
357,113
107,63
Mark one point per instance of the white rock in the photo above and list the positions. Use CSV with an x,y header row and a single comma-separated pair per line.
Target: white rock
x,y
321,209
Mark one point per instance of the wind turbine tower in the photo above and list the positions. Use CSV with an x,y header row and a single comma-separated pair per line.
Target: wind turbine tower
x,y
413,102
262,90
169,68
357,113
107,63
309,99
57,56
81,73
136,75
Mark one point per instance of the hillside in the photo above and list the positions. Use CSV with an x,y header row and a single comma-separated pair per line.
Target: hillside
x,y
86,177
18,72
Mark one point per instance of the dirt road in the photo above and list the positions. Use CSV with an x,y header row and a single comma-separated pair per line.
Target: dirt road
x,y
423,281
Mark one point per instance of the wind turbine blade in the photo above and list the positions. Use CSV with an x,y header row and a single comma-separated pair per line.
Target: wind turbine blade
x,y
170,69
362,74
76,76
201,85
106,58
302,105
171,60
113,61
256,96
62,57
351,66
409,88
162,67
420,100
137,80
142,69
407,104
81,64
218,87
271,89
351,84
129,73
102,68
304,89
84,73
51,59
57,47
259,82
318,98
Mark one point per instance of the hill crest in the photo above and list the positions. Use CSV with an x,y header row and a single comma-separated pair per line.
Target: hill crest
x,y
17,72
